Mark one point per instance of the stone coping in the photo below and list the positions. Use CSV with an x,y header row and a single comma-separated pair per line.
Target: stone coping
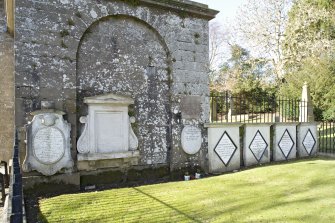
x,y
195,8
220,125
287,123
107,156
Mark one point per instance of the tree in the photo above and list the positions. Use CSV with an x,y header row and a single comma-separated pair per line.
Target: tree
x,y
309,49
242,74
319,73
220,41
216,44
261,24
310,32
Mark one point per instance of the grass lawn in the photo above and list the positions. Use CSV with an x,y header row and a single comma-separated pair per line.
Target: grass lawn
x,y
301,191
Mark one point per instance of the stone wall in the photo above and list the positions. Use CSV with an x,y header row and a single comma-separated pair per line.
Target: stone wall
x,y
6,89
155,51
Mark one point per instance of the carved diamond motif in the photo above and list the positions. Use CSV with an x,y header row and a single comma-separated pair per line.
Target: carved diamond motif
x,y
286,144
225,148
258,146
309,142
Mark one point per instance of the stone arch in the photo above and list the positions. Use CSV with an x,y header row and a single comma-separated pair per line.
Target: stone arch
x,y
124,55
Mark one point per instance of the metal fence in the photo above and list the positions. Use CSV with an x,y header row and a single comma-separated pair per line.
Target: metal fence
x,y
327,137
15,195
256,109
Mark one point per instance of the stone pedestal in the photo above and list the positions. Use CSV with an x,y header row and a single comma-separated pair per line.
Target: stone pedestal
x,y
256,144
107,134
284,142
307,139
224,147
48,143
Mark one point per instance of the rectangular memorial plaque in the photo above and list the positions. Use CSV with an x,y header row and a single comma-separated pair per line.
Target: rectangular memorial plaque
x,y
191,107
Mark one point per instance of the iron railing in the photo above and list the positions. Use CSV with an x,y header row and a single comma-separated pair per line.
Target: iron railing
x,y
227,108
327,137
15,194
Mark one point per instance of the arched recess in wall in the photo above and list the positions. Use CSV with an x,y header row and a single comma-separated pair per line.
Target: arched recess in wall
x,y
124,55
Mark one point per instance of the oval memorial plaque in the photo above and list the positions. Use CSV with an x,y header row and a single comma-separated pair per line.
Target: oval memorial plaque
x,y
48,145
191,139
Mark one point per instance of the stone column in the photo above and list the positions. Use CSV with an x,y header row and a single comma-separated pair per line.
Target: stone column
x,y
6,88
306,106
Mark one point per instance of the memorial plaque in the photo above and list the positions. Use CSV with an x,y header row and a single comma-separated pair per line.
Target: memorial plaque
x,y
191,107
286,144
107,130
309,142
49,145
258,146
225,148
191,139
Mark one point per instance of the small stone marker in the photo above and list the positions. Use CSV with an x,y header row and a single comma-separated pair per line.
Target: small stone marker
x,y
225,148
191,107
191,139
258,146
286,144
48,143
309,142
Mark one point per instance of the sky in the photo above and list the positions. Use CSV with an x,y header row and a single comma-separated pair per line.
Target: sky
x,y
227,15
227,8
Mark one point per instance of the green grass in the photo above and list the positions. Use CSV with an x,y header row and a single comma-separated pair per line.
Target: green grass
x,y
302,191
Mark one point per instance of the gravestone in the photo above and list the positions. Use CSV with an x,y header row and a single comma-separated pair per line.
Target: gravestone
x,y
256,144
224,147
48,142
191,139
284,143
107,133
307,139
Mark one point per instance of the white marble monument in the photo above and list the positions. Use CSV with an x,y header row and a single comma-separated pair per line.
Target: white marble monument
x,y
107,133
48,142
306,106
191,139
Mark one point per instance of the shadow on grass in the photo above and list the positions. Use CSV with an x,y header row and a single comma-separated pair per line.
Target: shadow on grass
x,y
168,205
221,205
